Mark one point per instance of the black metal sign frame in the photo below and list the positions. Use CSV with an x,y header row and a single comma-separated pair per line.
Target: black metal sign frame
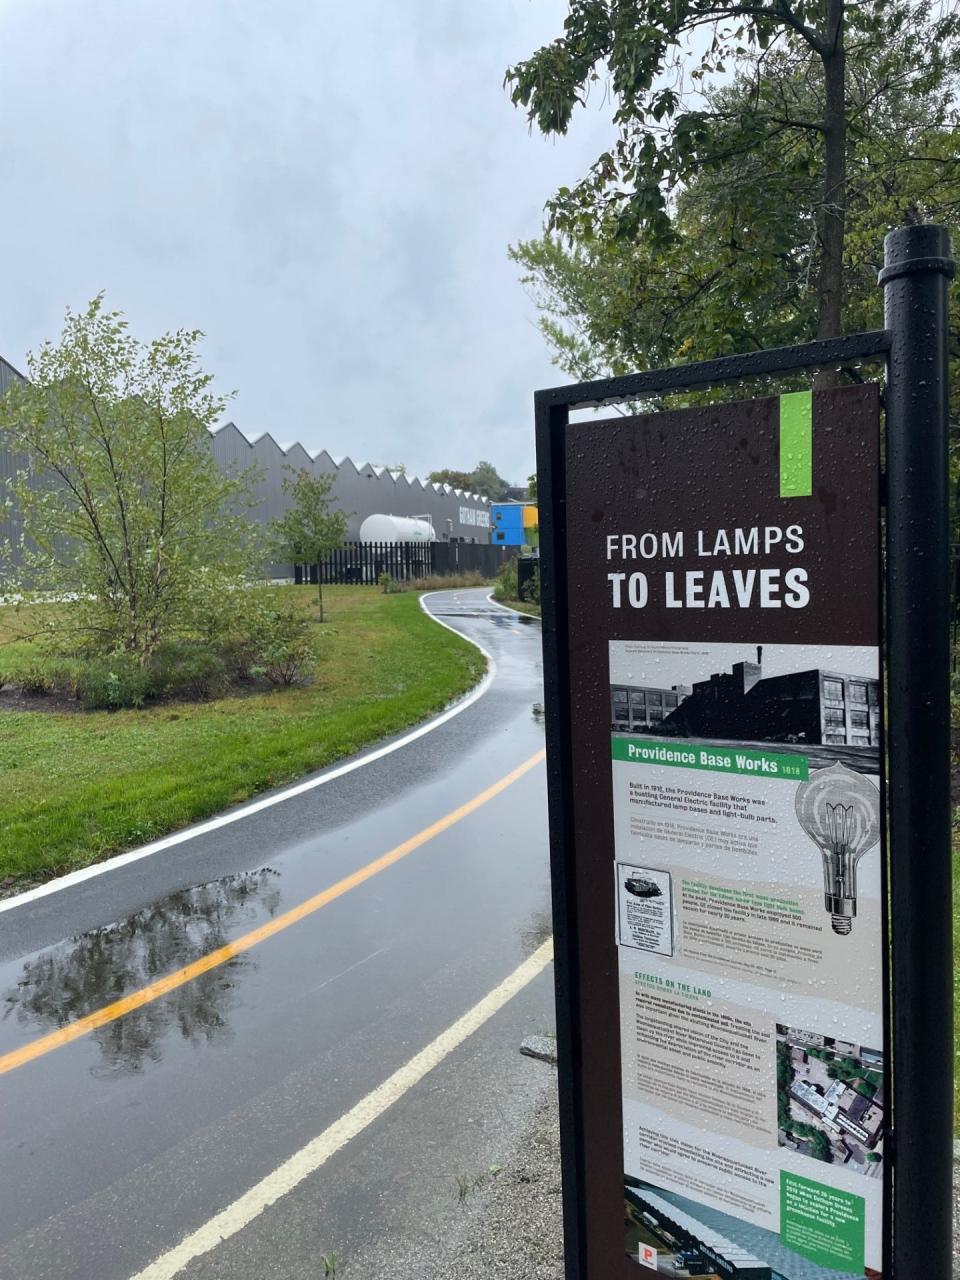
x,y
914,346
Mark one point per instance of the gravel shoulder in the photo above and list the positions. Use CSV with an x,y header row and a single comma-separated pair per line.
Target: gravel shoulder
x,y
518,1232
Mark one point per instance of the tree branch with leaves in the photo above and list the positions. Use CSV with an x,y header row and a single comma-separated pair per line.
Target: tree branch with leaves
x,y
673,126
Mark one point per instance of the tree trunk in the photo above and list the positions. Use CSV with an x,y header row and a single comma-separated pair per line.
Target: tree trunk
x,y
320,591
833,208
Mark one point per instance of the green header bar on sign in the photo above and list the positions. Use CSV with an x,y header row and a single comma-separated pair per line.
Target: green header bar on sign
x,y
718,758
796,444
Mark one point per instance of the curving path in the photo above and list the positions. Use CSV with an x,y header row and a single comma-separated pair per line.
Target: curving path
x,y
345,976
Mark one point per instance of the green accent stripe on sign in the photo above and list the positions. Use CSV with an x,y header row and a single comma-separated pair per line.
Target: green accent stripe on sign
x,y
796,444
726,758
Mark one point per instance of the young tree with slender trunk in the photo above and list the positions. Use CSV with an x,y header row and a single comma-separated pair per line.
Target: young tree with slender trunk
x,y
311,527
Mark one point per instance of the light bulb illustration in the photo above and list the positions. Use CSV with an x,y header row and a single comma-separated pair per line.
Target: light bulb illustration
x,y
840,811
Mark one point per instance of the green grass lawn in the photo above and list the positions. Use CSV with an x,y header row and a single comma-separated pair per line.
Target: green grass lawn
x,y
78,786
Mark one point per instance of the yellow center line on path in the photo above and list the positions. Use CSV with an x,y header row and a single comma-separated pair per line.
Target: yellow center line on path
x,y
154,990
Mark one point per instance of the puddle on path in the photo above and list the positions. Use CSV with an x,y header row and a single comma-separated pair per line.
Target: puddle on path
x,y
82,974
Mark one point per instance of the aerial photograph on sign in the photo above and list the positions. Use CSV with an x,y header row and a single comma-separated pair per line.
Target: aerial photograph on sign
x,y
830,1099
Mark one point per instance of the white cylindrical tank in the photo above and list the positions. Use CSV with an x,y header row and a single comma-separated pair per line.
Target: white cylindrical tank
x,y
380,528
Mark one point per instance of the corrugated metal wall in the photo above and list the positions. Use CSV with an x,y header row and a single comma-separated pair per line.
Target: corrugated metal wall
x,y
10,463
359,491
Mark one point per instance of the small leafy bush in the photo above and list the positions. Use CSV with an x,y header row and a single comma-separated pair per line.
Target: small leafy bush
x,y
265,638
284,649
62,673
238,651
228,626
37,680
187,670
107,684
250,634
506,588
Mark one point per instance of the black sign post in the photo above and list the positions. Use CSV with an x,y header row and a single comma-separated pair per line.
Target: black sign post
x,y
716,655
916,275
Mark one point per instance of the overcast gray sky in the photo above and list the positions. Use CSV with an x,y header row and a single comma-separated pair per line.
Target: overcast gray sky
x,y
326,189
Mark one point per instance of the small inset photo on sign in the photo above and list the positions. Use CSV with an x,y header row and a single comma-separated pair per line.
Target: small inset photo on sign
x,y
644,909
821,1235
830,1100
677,1237
823,702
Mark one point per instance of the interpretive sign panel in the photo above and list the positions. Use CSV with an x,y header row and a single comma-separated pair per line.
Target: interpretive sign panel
x,y
723,589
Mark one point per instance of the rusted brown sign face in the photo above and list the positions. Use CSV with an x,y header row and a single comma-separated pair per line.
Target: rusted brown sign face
x,y
723,648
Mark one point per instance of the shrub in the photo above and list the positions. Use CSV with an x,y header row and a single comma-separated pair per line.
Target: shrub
x,y
258,635
62,674
284,648
187,670
506,588
449,581
238,651
107,684
37,680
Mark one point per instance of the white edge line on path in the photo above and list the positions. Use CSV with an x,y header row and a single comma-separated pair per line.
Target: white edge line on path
x,y
298,789
316,1153
519,612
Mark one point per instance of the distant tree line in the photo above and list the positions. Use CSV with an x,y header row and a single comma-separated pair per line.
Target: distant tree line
x,y
483,479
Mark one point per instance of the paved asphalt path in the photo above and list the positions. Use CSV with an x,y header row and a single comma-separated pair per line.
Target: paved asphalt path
x,y
116,1146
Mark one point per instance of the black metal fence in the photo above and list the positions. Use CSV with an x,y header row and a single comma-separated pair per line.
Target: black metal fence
x,y
362,563
469,557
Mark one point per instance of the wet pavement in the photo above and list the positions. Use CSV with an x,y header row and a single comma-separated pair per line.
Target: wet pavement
x,y
116,1145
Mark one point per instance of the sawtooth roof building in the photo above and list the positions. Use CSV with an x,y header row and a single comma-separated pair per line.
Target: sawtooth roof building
x,y
359,489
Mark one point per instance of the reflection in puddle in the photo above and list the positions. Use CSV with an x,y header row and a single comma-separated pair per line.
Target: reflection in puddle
x,y
81,975
518,619
505,621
